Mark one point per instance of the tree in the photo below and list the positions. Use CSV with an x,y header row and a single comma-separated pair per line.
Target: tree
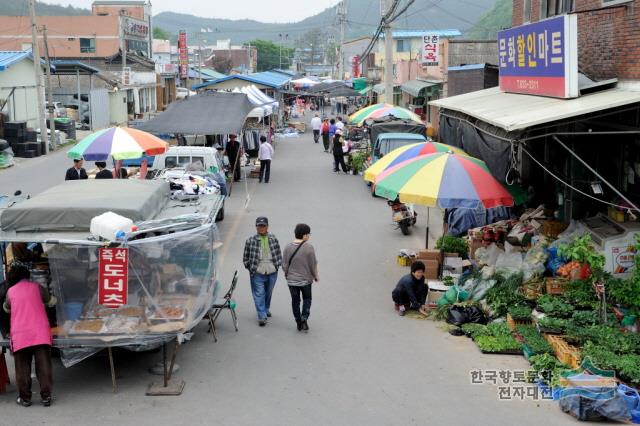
x,y
269,55
223,65
490,23
159,33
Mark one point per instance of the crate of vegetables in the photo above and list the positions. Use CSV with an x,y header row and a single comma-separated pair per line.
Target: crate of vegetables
x,y
518,315
566,353
555,285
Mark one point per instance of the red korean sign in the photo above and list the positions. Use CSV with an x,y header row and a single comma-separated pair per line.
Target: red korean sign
x,y
430,50
113,276
183,54
356,66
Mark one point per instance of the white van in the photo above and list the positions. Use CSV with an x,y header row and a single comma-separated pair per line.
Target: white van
x,y
180,156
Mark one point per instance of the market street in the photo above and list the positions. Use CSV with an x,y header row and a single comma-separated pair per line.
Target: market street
x,y
360,364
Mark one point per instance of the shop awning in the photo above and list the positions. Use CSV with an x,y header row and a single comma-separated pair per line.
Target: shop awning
x,y
413,87
512,112
210,113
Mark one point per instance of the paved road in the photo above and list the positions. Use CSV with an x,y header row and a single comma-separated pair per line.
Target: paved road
x,y
361,364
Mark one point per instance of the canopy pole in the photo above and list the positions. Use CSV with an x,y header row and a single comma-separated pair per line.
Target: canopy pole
x,y
620,194
427,233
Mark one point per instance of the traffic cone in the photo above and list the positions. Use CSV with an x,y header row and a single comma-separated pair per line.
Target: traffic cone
x,y
4,374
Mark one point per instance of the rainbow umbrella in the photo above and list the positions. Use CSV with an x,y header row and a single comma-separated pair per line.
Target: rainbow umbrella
x,y
405,153
383,110
121,143
444,179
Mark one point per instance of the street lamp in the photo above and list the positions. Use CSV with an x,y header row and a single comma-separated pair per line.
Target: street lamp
x,y
286,37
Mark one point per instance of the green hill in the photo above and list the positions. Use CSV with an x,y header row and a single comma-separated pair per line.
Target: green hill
x,y
493,21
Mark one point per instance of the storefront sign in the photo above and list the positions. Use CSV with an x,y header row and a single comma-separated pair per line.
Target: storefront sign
x,y
184,54
355,62
133,27
540,58
430,49
113,276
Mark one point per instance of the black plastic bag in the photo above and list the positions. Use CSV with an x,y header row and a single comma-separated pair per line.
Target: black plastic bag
x,y
459,315
594,409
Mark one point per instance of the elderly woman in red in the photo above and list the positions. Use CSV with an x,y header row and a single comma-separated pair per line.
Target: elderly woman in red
x,y
30,333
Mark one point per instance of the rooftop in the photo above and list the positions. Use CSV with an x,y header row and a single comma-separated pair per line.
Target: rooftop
x,y
9,58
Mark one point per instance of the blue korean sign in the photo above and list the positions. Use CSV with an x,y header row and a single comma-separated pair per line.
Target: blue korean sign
x,y
540,58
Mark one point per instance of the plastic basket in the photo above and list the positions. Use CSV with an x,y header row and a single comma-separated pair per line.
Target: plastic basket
x,y
404,261
566,354
553,228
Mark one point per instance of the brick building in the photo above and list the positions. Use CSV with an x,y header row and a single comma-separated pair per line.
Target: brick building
x,y
608,34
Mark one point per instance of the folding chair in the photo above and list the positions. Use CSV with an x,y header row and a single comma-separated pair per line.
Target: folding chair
x,y
226,302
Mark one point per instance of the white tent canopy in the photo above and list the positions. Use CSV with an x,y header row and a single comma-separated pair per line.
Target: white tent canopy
x,y
265,105
304,82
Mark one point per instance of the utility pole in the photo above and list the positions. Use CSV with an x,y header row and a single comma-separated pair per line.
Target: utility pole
x,y
38,73
123,47
342,16
280,54
52,126
388,56
200,56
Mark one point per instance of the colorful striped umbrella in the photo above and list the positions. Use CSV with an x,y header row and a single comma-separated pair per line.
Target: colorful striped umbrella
x,y
444,179
383,110
121,143
405,153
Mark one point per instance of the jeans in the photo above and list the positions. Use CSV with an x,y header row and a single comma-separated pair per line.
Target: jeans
x,y
316,135
295,291
265,170
262,288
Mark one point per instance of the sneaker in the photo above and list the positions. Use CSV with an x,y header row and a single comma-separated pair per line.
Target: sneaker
x,y
268,312
262,323
23,402
46,402
402,310
305,326
299,323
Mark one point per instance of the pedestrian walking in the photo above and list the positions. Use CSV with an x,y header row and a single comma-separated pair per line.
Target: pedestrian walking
x,y
30,334
262,258
338,155
301,270
233,151
103,173
325,134
265,155
339,124
316,125
77,172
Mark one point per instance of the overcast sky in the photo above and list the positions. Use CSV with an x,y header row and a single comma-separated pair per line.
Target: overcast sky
x,y
259,10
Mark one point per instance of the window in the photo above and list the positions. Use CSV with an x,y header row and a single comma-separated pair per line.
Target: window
x,y
87,45
526,11
606,3
403,45
170,162
556,7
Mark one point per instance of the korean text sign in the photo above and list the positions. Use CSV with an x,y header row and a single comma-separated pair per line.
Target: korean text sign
x,y
430,49
540,58
113,276
183,54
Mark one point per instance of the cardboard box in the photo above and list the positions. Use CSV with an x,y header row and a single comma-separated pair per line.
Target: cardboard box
x,y
428,255
431,269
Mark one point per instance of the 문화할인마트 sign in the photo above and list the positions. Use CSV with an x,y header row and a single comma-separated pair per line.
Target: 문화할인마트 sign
x,y
540,58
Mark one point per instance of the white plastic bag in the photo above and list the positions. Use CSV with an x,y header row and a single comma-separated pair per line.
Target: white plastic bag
x,y
488,255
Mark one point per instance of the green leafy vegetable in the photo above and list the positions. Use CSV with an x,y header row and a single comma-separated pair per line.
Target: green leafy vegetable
x,y
450,244
581,250
520,313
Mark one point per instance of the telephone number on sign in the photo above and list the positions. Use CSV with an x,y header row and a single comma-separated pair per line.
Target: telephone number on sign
x,y
527,84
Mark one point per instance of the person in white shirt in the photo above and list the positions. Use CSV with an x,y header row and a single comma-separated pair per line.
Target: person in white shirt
x,y
340,124
316,125
265,155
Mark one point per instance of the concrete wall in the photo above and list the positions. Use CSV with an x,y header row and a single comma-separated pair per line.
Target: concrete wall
x,y
118,107
23,105
465,81
608,39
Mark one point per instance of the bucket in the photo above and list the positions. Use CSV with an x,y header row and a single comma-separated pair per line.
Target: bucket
x,y
72,310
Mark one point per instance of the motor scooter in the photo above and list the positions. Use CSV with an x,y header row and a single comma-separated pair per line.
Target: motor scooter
x,y
404,215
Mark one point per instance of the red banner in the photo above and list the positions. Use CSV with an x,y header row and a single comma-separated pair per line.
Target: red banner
x,y
356,66
183,54
113,276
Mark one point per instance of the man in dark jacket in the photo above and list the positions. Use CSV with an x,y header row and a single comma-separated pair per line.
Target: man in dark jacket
x,y
77,171
233,151
411,292
103,173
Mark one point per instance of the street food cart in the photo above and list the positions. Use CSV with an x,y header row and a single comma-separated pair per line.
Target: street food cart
x,y
150,284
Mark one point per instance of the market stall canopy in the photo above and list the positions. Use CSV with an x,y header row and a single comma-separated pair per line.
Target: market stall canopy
x,y
343,91
327,86
210,113
414,87
71,206
383,110
119,143
513,112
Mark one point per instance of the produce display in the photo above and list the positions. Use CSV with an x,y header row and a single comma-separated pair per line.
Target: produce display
x,y
520,313
451,244
496,338
554,306
552,325
533,340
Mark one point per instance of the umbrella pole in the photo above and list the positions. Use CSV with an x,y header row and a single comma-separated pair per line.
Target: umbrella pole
x,y
427,233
